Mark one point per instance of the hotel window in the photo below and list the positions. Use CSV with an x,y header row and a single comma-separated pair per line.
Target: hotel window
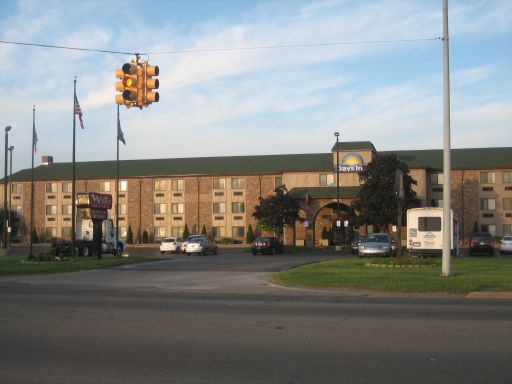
x,y
122,209
218,232
178,208
219,183
160,185
159,231
17,209
507,203
219,207
178,184
51,210
237,183
278,181
238,232
507,229
104,186
326,179
486,177
436,203
16,189
66,232
177,231
507,177
123,185
159,208
66,209
491,228
51,233
123,232
51,188
487,204
437,179
237,207
67,187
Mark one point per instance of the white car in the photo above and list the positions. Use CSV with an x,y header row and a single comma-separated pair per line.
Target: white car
x,y
506,244
170,244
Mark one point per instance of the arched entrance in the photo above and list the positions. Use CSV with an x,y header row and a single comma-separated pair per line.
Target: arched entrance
x,y
329,226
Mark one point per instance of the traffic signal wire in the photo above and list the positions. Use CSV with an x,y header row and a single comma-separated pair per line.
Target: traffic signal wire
x,y
279,46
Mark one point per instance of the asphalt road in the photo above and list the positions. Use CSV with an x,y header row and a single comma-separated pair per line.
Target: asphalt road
x,y
216,320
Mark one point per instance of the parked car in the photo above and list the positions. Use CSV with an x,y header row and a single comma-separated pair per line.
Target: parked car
x,y
506,244
189,238
376,244
481,242
354,244
170,244
201,245
266,245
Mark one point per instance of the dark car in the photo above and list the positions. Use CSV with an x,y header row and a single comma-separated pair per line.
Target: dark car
x,y
481,242
266,245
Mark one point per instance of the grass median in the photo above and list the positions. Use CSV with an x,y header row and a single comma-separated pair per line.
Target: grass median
x,y
469,275
13,265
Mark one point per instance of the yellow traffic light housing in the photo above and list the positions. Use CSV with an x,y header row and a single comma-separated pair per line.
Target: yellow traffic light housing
x,y
150,83
129,84
137,84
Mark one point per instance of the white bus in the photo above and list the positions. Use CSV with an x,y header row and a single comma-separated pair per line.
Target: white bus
x,y
425,231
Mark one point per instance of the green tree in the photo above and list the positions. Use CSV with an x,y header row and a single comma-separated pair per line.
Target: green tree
x,y
145,237
33,236
129,235
277,210
377,204
249,238
203,230
186,232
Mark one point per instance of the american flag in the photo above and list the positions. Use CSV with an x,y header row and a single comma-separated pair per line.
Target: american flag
x,y
78,111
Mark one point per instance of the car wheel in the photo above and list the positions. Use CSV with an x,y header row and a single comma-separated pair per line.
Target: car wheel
x,y
85,251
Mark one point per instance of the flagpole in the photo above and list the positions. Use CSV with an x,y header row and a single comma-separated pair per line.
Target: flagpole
x,y
32,179
73,203
117,180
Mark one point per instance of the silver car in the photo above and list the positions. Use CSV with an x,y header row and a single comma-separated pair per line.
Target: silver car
x,y
376,244
201,246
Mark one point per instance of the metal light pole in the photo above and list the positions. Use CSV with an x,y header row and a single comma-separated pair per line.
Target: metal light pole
x,y
7,129
338,236
11,148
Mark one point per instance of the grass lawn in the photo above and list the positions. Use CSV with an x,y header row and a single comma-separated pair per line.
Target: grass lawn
x,y
469,275
11,265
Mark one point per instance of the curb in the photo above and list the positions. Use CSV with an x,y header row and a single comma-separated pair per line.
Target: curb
x,y
490,295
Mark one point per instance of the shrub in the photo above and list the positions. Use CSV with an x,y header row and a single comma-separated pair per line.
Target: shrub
x,y
129,235
186,233
249,238
145,237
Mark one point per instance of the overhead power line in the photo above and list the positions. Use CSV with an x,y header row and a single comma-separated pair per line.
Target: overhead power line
x,y
278,46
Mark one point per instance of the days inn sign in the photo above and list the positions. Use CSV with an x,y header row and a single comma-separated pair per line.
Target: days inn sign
x,y
351,163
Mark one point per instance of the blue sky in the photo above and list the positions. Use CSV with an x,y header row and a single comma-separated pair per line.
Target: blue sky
x,y
256,101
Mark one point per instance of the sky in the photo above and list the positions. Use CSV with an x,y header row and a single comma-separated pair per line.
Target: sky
x,y
371,70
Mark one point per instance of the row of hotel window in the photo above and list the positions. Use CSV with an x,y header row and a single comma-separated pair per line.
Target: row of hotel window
x,y
159,208
486,204
237,232
486,177
159,185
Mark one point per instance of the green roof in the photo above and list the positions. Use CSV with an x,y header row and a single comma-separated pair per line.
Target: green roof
x,y
470,158
354,146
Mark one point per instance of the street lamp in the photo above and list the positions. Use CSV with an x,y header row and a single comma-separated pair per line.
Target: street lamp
x,y
11,149
7,129
337,134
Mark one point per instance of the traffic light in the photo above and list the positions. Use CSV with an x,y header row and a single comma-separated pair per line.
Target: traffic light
x,y
128,86
149,83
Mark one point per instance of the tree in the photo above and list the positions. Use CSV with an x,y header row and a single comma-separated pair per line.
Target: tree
x,y
145,237
249,238
203,230
376,199
186,233
276,210
129,235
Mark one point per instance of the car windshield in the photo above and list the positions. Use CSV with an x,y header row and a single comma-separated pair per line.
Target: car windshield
x,y
507,238
168,240
481,236
196,240
376,239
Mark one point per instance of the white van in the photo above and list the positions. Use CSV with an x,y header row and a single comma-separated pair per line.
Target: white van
x,y
425,231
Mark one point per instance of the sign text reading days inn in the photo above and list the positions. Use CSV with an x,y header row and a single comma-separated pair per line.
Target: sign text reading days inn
x,y
351,162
